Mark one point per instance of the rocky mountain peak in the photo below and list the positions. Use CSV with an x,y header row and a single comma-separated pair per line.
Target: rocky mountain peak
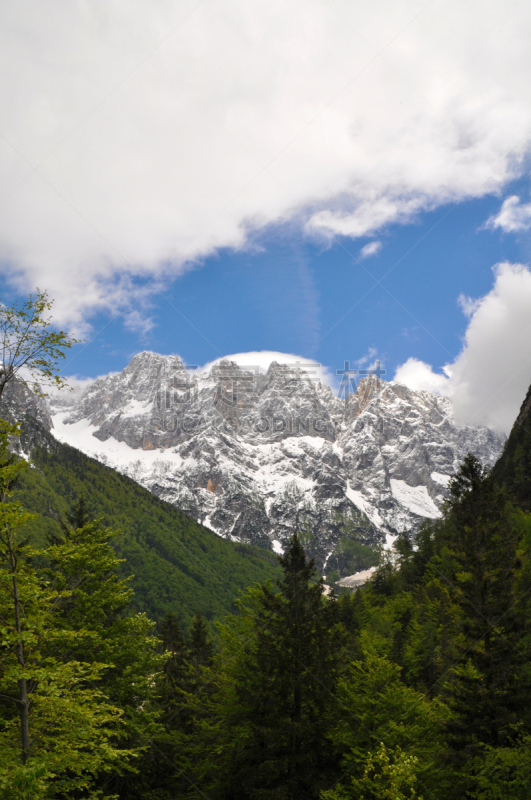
x,y
368,390
257,455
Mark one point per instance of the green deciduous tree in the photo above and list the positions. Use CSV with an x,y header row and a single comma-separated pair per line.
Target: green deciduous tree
x,y
57,728
28,340
71,684
503,773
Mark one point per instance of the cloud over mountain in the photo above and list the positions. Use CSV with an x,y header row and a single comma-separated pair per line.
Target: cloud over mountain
x,y
489,379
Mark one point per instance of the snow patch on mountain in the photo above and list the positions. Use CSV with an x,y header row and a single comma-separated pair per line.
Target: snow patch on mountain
x,y
365,505
414,498
444,480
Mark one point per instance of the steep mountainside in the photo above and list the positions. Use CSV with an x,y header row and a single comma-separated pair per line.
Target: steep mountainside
x,y
178,565
513,470
256,456
20,404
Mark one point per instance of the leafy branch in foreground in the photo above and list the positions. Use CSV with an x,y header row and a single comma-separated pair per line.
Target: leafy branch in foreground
x,y
70,710
27,339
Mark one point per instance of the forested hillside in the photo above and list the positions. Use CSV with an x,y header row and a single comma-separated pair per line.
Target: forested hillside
x,y
513,468
178,565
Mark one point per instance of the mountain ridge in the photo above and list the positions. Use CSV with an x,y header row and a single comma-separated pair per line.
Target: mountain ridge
x,y
256,456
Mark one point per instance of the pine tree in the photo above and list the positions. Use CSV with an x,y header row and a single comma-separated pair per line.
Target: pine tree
x,y
281,688
489,690
379,719
167,766
79,515
201,648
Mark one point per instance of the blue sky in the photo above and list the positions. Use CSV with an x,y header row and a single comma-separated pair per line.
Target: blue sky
x,y
323,301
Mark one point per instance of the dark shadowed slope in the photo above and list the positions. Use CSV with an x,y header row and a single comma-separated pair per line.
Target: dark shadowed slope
x,y
513,469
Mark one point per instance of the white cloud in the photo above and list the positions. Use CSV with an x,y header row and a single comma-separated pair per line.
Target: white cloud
x,y
370,249
164,130
492,374
62,398
370,361
512,216
468,304
371,213
260,360
421,377
77,386
489,379
369,356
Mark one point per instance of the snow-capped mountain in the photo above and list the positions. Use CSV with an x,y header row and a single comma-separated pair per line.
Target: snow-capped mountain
x,y
256,456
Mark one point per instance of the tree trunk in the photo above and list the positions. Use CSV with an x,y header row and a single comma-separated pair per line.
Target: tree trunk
x,y
23,683
24,718
6,374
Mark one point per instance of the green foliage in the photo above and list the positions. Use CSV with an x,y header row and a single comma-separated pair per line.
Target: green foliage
x,y
480,559
74,729
83,566
513,469
59,724
183,689
502,773
454,616
272,689
178,565
387,775
379,710
350,556
27,339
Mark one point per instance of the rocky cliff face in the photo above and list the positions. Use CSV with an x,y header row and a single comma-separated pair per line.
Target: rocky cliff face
x,y
255,457
20,404
19,400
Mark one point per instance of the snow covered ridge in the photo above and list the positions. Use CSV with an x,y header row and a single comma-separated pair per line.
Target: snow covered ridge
x,y
256,456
